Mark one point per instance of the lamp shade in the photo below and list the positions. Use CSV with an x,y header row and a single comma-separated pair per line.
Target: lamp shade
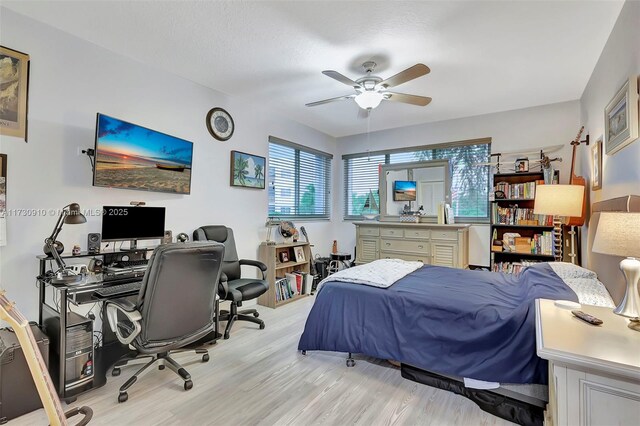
x,y
559,200
75,216
618,234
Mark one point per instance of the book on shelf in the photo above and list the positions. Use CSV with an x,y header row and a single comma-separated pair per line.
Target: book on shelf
x,y
525,190
292,284
512,267
514,215
541,244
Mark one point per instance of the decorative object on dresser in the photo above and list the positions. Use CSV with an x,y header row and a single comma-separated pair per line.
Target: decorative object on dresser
x,y
247,170
594,372
220,124
429,243
596,165
371,209
288,279
14,79
72,215
621,117
618,234
561,200
512,216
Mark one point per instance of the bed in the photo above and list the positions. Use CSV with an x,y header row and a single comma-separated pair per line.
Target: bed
x,y
413,325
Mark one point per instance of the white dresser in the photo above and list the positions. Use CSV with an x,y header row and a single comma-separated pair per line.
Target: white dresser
x,y
594,371
432,244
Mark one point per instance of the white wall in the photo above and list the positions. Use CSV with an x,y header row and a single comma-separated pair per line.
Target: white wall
x,y
619,60
509,131
71,80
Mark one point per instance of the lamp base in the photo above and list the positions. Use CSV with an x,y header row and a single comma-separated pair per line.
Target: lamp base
x,y
634,324
629,308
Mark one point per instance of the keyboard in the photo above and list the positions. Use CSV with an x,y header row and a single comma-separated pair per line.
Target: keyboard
x,y
131,263
114,290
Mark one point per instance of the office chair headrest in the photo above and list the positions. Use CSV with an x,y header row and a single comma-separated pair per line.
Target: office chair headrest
x,y
217,233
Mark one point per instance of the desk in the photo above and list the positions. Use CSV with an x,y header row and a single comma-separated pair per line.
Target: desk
x,y
55,325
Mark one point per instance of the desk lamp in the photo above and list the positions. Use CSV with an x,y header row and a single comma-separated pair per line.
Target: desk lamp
x,y
560,200
70,214
618,234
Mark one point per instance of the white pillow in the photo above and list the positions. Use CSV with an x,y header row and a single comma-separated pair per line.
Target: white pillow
x,y
568,270
590,291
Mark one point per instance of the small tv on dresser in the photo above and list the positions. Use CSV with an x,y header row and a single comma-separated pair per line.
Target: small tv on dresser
x,y
129,156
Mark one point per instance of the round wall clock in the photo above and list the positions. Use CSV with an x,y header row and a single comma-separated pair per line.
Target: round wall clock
x,y
220,124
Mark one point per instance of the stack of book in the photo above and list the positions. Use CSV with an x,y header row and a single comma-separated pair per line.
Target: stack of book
x,y
521,191
518,216
512,267
292,284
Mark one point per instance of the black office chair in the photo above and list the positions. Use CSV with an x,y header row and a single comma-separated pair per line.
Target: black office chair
x,y
175,307
232,287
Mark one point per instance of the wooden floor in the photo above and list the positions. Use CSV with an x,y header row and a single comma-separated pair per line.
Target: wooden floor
x,y
257,377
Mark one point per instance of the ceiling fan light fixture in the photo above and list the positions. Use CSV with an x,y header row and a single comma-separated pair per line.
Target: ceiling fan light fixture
x,y
369,99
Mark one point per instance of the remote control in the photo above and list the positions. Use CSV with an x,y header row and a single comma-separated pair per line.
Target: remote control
x,y
587,318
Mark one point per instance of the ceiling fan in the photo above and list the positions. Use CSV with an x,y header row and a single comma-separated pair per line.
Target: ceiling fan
x,y
371,89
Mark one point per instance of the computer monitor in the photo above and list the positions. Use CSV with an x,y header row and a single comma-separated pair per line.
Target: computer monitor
x,y
121,223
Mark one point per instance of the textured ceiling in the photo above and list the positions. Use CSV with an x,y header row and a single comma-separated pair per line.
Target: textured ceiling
x,y
484,56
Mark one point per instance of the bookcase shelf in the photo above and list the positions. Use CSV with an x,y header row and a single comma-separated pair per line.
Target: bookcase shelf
x,y
521,189
271,255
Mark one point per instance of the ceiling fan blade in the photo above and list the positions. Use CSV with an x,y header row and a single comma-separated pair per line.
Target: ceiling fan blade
x,y
341,78
326,101
407,99
418,70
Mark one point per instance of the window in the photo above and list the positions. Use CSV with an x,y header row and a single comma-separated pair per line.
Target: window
x,y
299,181
469,182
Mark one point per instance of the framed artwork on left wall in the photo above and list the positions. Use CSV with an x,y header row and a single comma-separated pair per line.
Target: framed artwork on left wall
x,y
14,89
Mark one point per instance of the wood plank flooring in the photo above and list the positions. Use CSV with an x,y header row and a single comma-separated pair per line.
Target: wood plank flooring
x,y
257,377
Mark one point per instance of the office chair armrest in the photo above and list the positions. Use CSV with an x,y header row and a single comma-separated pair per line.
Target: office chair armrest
x,y
257,264
128,310
223,287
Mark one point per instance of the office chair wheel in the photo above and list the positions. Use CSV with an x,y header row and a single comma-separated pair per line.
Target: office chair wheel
x,y
226,336
161,367
188,385
123,397
115,372
205,358
262,326
351,362
256,314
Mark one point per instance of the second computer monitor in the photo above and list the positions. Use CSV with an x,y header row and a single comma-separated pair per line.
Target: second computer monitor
x,y
120,223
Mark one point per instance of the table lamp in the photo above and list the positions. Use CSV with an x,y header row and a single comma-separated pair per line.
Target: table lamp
x,y
618,234
560,200
70,214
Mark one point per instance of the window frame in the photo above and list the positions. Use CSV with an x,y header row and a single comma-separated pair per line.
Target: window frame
x,y
297,191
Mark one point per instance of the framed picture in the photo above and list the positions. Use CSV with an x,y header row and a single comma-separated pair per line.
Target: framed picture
x,y
299,253
14,87
621,117
522,165
247,170
284,256
596,161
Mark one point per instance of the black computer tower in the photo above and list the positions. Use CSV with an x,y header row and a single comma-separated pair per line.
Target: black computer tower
x,y
18,393
78,366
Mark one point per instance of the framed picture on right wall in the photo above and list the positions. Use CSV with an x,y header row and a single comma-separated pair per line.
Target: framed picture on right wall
x,y
596,162
621,117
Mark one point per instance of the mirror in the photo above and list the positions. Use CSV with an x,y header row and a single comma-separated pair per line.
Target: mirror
x,y
397,189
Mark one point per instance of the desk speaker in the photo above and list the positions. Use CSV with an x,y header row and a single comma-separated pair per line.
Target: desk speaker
x,y
93,243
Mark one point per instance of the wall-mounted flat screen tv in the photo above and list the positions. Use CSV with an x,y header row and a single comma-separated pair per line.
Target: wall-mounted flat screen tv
x,y
134,157
404,190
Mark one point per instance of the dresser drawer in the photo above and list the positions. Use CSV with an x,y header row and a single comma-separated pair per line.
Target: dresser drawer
x,y
391,232
446,234
417,234
369,231
415,258
405,245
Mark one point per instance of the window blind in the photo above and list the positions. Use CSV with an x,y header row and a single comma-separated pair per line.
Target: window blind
x,y
469,182
299,181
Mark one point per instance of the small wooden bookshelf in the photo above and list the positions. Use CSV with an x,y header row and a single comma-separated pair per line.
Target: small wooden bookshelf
x,y
277,267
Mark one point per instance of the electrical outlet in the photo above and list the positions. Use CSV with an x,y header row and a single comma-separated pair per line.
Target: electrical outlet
x,y
80,149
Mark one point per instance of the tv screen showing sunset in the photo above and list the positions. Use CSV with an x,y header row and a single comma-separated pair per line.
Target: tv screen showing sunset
x,y
404,190
133,157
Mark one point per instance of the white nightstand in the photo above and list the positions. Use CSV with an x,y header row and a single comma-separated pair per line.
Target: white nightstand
x,y
594,371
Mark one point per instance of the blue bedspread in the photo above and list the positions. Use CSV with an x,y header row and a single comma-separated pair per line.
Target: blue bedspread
x,y
464,323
